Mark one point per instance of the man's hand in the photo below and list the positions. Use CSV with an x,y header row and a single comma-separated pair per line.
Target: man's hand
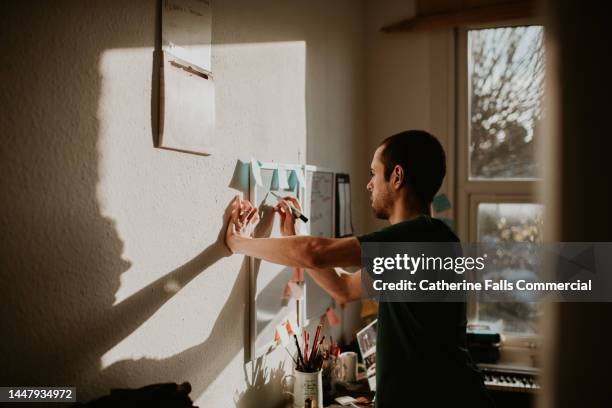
x,y
242,222
286,215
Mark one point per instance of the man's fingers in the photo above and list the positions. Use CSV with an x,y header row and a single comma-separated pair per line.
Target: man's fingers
x,y
294,201
234,215
249,218
286,208
247,205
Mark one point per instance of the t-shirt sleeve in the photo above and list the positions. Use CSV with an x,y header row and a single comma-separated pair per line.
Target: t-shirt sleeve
x,y
376,236
388,234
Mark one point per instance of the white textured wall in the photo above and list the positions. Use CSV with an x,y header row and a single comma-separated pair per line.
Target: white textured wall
x,y
100,229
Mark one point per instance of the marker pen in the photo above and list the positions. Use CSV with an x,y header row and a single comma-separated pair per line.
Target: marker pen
x,y
295,211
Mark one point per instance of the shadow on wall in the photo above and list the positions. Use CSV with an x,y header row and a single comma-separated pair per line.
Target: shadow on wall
x,y
61,259
261,384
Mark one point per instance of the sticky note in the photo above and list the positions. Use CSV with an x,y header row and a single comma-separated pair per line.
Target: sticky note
x,y
292,327
274,186
256,170
296,291
441,203
240,178
332,317
286,293
293,180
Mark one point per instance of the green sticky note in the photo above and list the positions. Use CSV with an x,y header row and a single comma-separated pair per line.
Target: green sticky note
x,y
441,203
293,180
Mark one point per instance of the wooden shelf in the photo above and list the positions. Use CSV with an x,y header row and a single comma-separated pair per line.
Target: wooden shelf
x,y
498,12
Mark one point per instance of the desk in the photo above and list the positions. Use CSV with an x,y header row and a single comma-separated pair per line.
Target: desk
x,y
358,389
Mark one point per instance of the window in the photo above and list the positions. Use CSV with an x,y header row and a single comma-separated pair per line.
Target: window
x,y
500,91
510,222
506,83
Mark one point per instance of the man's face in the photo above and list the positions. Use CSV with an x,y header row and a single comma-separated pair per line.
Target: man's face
x,y
381,193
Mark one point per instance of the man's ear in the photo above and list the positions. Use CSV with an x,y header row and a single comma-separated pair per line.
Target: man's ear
x,y
397,177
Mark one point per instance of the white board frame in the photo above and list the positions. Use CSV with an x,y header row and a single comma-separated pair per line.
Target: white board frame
x,y
254,198
254,352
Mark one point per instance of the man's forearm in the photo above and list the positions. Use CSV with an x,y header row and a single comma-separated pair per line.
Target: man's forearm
x,y
296,251
343,287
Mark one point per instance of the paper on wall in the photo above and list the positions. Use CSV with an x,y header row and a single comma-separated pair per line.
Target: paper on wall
x,y
187,30
187,110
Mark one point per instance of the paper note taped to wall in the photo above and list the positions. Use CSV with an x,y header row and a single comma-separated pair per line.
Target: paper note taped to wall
x,y
187,30
187,107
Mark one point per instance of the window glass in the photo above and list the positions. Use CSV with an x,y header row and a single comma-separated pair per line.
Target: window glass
x,y
511,222
506,85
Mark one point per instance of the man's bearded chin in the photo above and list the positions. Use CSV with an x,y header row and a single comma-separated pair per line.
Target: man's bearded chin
x,y
380,212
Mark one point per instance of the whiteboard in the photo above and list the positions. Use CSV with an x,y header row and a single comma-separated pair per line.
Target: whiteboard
x,y
320,195
320,199
268,307
268,280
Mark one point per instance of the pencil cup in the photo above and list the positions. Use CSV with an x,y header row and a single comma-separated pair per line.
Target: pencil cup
x,y
308,390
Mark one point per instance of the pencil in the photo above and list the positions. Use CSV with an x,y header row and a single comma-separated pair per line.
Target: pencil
x,y
306,347
297,344
315,345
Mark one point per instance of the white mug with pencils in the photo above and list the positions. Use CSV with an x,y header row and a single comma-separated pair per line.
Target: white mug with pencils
x,y
308,385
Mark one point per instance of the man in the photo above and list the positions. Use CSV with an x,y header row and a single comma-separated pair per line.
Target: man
x,y
421,357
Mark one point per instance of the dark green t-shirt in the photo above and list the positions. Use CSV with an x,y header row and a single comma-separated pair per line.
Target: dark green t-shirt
x,y
421,354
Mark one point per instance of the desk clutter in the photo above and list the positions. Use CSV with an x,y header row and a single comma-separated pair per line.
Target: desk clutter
x,y
484,343
322,372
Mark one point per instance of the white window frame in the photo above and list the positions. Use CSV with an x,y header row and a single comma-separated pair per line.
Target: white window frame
x,y
470,193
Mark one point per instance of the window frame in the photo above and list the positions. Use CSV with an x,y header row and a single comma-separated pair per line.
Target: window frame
x,y
470,192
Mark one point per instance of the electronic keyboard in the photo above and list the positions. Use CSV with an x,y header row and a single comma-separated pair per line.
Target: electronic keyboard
x,y
510,378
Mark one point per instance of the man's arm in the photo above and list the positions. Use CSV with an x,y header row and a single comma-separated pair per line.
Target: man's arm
x,y
344,287
298,251
317,255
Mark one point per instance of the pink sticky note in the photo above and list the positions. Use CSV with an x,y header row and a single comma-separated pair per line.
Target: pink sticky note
x,y
286,292
332,317
296,290
291,326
